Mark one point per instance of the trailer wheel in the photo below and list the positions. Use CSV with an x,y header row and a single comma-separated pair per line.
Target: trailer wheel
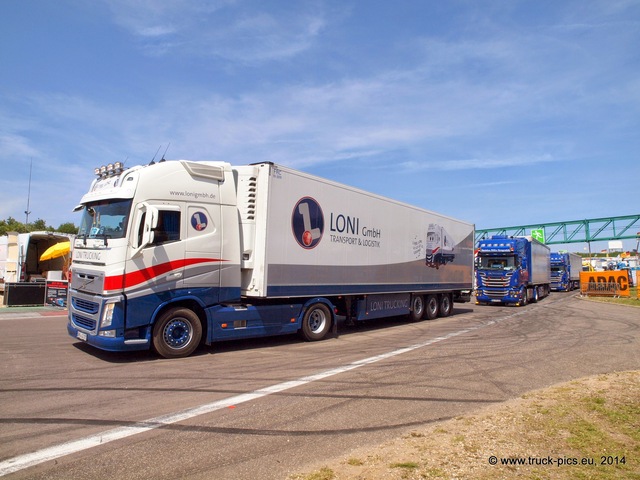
x,y
316,322
417,308
446,306
177,333
431,311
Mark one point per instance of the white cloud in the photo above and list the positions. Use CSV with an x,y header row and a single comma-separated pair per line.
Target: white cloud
x,y
237,31
153,18
14,145
479,163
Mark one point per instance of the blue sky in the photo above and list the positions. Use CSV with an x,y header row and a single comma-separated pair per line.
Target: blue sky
x,y
495,112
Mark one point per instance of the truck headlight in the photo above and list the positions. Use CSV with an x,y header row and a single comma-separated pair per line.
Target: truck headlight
x,y
107,315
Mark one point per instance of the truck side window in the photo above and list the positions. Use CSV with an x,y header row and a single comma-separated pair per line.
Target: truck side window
x,y
168,228
141,228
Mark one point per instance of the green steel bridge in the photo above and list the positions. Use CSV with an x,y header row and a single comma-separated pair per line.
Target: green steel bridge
x,y
575,231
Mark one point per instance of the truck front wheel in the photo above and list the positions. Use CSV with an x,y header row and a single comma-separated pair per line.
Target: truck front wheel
x,y
316,322
177,333
524,297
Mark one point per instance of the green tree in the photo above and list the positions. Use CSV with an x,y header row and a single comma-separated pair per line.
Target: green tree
x,y
12,225
39,226
68,227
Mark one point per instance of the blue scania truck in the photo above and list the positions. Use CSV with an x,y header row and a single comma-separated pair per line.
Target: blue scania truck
x,y
565,271
512,270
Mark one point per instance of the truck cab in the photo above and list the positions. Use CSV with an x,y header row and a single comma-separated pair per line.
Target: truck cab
x,y
565,271
560,272
501,271
511,270
150,242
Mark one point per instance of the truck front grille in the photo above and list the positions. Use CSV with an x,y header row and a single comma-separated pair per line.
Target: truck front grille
x,y
85,306
83,322
495,286
496,293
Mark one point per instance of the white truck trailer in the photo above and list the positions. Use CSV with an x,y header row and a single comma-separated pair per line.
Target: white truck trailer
x,y
177,253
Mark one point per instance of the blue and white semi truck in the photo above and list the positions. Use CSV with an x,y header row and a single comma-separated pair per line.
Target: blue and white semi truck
x,y
565,271
179,253
512,270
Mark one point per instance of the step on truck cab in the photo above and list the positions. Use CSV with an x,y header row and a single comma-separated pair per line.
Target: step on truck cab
x,y
179,253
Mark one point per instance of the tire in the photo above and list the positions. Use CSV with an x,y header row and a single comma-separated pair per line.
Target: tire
x,y
177,333
525,297
316,322
431,310
446,305
417,308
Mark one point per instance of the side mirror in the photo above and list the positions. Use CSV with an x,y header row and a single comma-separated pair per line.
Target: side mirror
x,y
147,216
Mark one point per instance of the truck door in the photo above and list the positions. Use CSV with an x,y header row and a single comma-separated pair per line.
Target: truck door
x,y
156,261
203,247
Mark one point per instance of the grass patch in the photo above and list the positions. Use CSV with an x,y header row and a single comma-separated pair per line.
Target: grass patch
x,y
324,473
584,429
407,465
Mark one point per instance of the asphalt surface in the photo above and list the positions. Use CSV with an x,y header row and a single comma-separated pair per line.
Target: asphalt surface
x,y
370,384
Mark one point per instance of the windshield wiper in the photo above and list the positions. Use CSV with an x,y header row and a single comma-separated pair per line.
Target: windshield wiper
x,y
104,237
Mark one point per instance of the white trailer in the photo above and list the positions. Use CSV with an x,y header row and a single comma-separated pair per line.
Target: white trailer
x,y
4,252
179,251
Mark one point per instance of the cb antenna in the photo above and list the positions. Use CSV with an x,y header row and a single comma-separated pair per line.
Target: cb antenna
x,y
165,152
154,157
27,212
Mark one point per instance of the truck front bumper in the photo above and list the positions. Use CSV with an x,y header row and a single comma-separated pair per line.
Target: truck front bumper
x,y
99,321
111,344
487,296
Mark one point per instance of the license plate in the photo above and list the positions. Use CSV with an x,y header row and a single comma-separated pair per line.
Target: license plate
x,y
82,336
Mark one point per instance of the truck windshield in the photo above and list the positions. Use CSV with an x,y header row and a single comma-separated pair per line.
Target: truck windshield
x,y
497,263
108,217
557,269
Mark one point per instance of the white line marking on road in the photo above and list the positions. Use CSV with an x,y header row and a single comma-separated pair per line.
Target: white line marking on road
x,y
30,459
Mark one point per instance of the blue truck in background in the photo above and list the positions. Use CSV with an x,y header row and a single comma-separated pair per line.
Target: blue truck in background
x,y
512,270
565,271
